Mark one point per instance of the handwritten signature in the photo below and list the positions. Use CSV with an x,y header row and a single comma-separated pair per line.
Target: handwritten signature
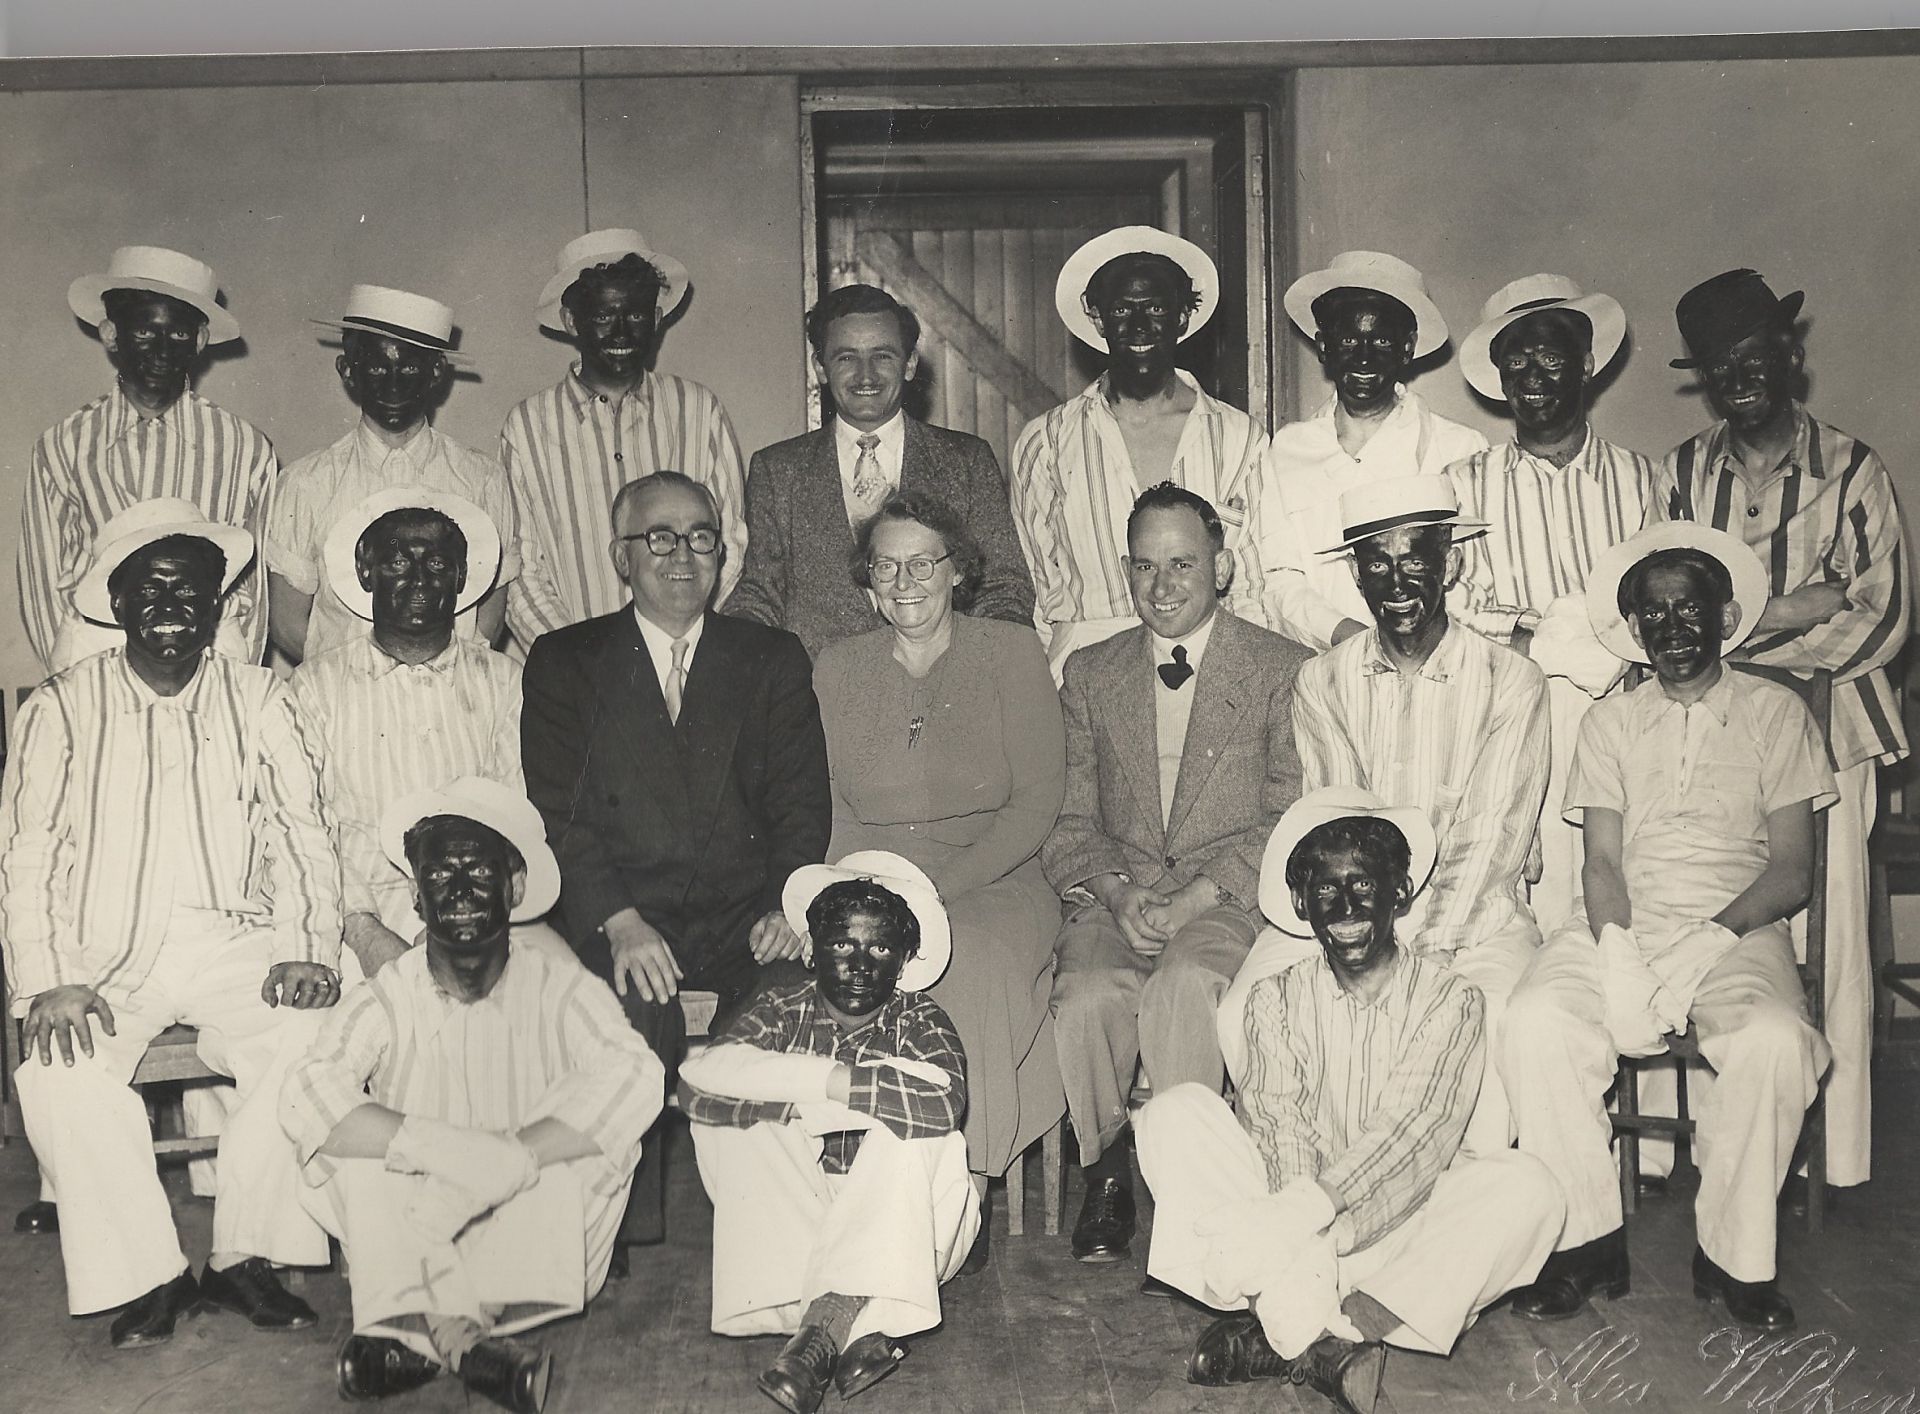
x,y
1590,1373
1807,1369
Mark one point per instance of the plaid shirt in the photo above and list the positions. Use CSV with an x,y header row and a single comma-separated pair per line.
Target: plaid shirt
x,y
910,1026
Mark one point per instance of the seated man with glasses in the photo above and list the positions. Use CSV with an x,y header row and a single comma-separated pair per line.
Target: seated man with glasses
x,y
677,756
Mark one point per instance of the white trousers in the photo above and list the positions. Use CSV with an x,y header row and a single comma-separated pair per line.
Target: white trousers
x,y
89,1128
537,1257
892,1228
1558,1061
1555,898
1849,996
1486,1228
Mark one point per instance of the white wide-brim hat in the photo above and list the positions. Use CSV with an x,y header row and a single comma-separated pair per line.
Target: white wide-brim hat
x,y
501,809
1321,807
890,871
483,543
163,271
1071,286
1530,295
604,247
139,526
1603,584
1370,270
397,314
1380,506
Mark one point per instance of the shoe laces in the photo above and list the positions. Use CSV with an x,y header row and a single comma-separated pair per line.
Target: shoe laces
x,y
817,1351
1104,1202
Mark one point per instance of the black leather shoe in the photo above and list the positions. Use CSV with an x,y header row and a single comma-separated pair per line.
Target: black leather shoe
x,y
149,1320
1345,1372
981,1252
1234,1350
1566,1281
372,1367
866,1362
797,1380
251,1289
1159,1290
38,1219
512,1375
1104,1230
1757,1305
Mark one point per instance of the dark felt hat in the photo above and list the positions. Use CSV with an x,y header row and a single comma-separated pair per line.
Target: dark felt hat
x,y
1716,314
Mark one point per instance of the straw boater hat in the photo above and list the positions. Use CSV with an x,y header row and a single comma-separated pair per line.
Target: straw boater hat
x,y
1603,584
163,271
1716,314
396,314
1370,270
483,543
1380,506
604,248
1071,286
892,872
139,526
1321,807
501,809
1529,295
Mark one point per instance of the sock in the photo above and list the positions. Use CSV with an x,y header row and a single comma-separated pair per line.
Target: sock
x,y
836,1313
453,1337
1373,1320
1112,1163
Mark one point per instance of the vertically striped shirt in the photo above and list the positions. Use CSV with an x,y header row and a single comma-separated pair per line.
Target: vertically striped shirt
x,y
569,450
1371,1099
1463,738
1074,484
1825,515
118,804
105,457
548,1042
387,728
1546,526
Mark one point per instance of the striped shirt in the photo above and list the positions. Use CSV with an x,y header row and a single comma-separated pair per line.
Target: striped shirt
x,y
318,490
1463,738
1371,1099
106,457
387,728
118,805
1825,515
1546,526
911,1026
548,1042
569,450
1309,593
1074,484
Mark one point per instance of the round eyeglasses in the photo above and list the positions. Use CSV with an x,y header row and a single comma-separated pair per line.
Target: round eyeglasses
x,y
920,567
702,540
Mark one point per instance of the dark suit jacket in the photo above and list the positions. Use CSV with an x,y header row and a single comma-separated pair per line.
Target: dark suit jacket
x,y
697,825
798,539
1238,773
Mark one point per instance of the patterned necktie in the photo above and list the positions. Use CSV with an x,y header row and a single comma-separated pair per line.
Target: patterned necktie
x,y
869,487
676,680
1176,673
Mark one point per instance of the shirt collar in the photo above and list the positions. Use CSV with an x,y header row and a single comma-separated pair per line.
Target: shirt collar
x,y
1803,455
1405,404
1582,464
660,643
368,444
446,1005
892,434
1203,406
382,664
1195,643
123,417
885,1021
141,698
1718,699
582,398
1440,663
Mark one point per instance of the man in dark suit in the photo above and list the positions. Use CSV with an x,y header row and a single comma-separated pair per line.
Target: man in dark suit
x,y
805,495
1180,761
677,757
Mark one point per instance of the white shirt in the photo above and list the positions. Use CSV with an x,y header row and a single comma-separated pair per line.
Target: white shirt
x,y
1172,707
660,645
893,442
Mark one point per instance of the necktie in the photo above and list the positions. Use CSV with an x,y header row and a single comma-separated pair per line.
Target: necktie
x,y
868,485
1176,673
676,680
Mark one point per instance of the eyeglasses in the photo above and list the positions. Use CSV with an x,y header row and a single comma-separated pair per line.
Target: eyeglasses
x,y
920,567
702,540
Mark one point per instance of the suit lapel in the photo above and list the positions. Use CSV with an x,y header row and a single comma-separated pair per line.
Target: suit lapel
x,y
915,469
719,692
820,510
630,690
1132,725
1220,696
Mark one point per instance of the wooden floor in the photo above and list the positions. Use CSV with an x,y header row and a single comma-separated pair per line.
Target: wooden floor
x,y
1038,1332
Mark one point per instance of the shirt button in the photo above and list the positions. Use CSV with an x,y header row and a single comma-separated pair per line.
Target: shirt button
x,y
1169,861
619,456
1753,510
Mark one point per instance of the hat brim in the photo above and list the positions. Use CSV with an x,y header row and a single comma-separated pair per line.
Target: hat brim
x,y
1322,807
1430,326
1080,268
1464,528
90,595
84,298
890,871
1750,584
542,889
1603,312
419,341
553,315
1788,309
482,536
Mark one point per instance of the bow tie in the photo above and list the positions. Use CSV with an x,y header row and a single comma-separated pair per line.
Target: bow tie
x,y
1176,673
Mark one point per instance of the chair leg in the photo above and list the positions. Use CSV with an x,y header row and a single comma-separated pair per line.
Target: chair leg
x,y
1053,1163
1628,1100
1817,1164
1685,1177
1879,954
1017,1196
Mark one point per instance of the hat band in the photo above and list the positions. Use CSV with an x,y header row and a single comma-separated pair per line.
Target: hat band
x,y
1432,516
1538,304
362,324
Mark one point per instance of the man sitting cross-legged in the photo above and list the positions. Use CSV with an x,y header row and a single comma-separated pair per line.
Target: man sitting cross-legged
x,y
470,1118
1336,1211
827,1124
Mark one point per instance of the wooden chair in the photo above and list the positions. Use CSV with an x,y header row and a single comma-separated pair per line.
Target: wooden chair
x,y
1894,869
1629,1124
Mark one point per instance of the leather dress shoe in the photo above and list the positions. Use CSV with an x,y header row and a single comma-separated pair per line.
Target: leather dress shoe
x,y
512,1375
251,1289
1757,1305
1566,1281
1234,1350
1104,1230
866,1362
797,1379
372,1367
981,1252
38,1219
149,1319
